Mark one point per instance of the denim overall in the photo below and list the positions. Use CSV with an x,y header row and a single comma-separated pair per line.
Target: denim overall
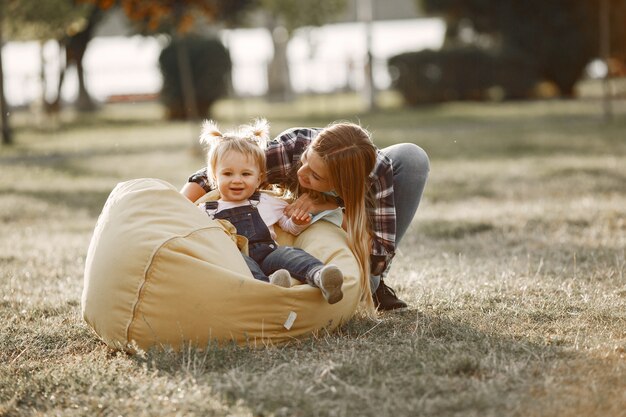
x,y
265,256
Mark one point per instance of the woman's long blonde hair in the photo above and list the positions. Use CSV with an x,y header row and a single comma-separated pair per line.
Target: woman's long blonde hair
x,y
350,156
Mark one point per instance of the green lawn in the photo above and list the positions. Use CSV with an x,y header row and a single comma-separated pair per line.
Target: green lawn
x,y
513,269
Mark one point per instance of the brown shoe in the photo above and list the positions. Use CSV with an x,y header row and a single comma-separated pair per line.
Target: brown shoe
x,y
385,298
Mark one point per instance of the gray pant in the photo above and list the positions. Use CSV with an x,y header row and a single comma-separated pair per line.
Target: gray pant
x,y
410,171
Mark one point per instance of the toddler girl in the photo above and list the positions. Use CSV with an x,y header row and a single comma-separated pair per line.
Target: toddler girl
x,y
236,166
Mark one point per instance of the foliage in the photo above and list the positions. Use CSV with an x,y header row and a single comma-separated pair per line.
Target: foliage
x,y
66,21
50,19
461,73
559,36
179,15
210,66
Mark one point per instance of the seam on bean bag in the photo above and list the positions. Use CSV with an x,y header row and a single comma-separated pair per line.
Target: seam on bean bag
x,y
140,291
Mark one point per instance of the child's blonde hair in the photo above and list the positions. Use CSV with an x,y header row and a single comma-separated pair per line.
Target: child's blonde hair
x,y
249,140
350,157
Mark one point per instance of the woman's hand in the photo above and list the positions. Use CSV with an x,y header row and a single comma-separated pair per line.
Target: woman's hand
x,y
301,209
304,202
305,207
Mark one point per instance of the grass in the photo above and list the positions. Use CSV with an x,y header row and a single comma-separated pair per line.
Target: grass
x,y
513,269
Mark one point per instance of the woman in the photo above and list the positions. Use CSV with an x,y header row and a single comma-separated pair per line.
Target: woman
x,y
339,165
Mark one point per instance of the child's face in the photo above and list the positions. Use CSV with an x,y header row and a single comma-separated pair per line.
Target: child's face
x,y
237,176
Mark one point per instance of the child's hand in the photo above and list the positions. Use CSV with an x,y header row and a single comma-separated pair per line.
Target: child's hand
x,y
304,204
301,218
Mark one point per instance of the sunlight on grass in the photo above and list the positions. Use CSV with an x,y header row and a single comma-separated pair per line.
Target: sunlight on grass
x,y
513,269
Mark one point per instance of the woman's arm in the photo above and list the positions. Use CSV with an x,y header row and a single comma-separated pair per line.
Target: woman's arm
x,y
198,184
382,215
192,191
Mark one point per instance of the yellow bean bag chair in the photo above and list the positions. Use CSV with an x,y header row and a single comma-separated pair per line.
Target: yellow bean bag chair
x,y
159,272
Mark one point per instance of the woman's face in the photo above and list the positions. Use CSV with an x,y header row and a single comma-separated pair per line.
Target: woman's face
x,y
314,173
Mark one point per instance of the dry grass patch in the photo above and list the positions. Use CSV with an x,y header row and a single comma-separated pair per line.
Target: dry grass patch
x,y
513,269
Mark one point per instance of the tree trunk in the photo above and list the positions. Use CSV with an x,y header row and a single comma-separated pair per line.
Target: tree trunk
x,y
75,48
186,80
605,54
84,102
7,137
278,80
184,68
54,106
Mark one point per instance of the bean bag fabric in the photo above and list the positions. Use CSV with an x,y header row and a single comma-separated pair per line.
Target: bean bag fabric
x,y
159,272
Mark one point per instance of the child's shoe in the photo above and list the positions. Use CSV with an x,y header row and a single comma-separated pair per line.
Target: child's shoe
x,y
282,278
330,280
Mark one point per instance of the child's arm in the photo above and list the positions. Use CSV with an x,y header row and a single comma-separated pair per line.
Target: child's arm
x,y
294,226
275,208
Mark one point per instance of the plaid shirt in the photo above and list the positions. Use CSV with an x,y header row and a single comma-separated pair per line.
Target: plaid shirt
x,y
283,155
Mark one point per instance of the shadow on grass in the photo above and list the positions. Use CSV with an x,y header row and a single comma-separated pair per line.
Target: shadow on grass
x,y
61,159
65,124
92,201
410,364
43,332
441,229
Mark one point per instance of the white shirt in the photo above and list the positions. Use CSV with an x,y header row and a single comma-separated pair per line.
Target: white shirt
x,y
271,211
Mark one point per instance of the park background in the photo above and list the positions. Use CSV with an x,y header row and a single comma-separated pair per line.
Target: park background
x,y
513,267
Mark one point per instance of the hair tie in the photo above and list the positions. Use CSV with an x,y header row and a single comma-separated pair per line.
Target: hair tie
x,y
258,132
210,132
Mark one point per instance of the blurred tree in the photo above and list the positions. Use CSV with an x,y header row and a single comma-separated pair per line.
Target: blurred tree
x,y
32,19
169,16
559,36
176,18
616,43
66,21
283,18
50,19
462,72
75,45
210,66
7,138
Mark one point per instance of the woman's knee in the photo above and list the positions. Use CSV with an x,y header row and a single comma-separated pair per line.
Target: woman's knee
x,y
421,158
409,157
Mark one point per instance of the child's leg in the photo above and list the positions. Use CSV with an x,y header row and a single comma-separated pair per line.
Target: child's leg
x,y
330,280
301,265
256,270
280,277
308,269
